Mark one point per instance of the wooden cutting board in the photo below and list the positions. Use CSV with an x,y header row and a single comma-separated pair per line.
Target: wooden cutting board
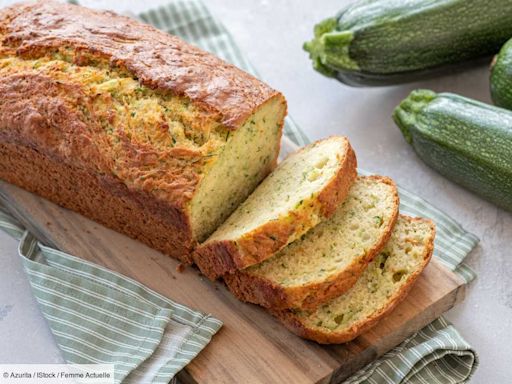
x,y
252,347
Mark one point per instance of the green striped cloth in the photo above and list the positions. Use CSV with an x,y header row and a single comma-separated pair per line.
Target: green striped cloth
x,y
99,316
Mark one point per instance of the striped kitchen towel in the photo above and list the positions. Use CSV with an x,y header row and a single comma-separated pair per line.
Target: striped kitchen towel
x,y
436,354
99,316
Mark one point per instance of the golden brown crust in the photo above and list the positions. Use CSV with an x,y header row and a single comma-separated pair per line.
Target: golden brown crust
x,y
217,258
103,199
267,293
294,324
157,59
40,113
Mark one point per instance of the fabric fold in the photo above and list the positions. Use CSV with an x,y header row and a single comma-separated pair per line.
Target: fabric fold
x,y
100,316
436,354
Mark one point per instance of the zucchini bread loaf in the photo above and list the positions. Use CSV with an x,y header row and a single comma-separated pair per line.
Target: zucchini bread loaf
x,y
128,125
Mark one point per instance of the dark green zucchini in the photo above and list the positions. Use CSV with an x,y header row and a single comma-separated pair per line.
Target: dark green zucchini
x,y
465,140
501,77
379,42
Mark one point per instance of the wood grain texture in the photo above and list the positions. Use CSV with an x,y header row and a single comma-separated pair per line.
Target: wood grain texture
x,y
252,347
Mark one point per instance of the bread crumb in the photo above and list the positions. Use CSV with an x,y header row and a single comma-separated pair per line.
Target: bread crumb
x,y
180,267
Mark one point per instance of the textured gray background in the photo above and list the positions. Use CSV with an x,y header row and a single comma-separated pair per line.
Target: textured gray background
x,y
271,33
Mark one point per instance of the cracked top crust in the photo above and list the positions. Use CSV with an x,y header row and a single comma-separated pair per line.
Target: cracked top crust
x,y
158,60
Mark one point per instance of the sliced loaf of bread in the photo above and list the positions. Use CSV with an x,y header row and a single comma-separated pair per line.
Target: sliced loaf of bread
x,y
304,189
380,288
329,258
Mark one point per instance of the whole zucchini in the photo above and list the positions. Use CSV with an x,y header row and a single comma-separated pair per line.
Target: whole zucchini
x,y
501,77
465,140
378,42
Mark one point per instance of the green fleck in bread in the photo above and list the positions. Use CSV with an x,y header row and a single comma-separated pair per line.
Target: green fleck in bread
x,y
329,258
381,287
129,125
303,190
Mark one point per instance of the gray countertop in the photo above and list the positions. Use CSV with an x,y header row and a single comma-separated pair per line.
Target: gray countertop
x,y
272,33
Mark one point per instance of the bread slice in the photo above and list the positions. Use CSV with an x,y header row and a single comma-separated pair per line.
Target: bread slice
x,y
304,189
380,288
329,258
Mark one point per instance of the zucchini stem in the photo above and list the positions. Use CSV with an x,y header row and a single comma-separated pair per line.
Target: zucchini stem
x,y
405,114
329,49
